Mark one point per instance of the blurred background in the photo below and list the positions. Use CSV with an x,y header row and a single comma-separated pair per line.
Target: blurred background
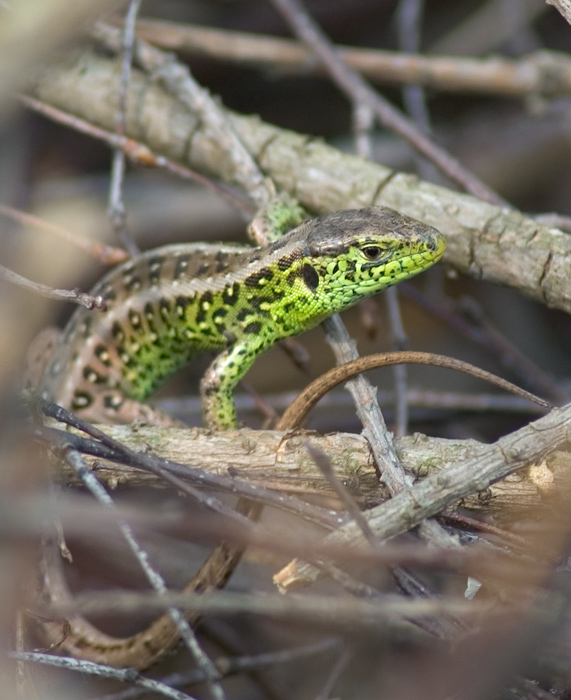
x,y
520,146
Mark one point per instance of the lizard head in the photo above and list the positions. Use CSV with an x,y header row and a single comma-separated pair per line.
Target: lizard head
x,y
357,253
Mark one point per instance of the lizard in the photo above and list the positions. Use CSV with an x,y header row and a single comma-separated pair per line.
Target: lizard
x,y
178,300
175,301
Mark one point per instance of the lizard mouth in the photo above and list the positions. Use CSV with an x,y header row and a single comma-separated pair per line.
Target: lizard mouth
x,y
440,247
435,247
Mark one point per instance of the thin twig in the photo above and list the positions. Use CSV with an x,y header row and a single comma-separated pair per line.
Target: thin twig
x,y
74,295
399,341
509,354
334,401
136,151
490,27
178,80
123,675
360,91
555,221
461,520
345,655
409,19
541,73
234,666
474,326
105,254
323,462
116,209
368,613
363,123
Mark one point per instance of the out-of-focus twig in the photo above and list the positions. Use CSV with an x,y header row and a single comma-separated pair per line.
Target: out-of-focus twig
x,y
105,254
116,209
74,295
541,73
124,675
229,666
76,461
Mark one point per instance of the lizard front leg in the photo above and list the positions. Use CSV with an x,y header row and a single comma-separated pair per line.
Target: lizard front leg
x,y
220,379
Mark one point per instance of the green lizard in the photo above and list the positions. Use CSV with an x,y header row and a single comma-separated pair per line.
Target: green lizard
x,y
178,300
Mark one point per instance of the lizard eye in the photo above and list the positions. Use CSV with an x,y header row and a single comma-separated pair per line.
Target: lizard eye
x,y
372,252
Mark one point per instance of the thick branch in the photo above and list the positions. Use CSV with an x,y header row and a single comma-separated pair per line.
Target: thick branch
x,y
484,241
279,461
440,490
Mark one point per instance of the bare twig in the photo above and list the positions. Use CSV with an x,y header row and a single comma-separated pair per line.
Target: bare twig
x,y
341,663
123,675
116,210
354,85
325,609
323,462
136,151
177,79
105,254
555,221
466,317
235,665
74,295
488,27
542,73
432,400
409,17
399,341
